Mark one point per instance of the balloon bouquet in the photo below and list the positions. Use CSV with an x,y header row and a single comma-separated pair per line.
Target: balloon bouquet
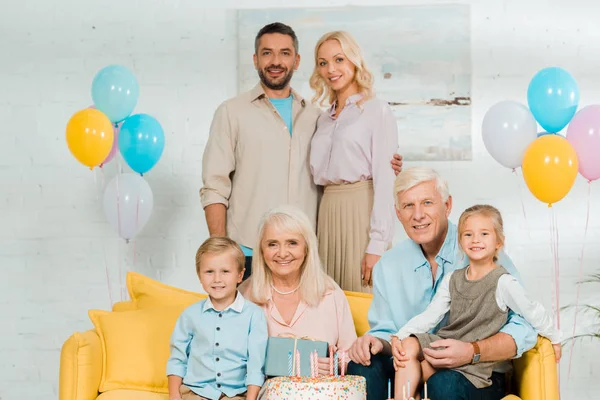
x,y
550,161
96,134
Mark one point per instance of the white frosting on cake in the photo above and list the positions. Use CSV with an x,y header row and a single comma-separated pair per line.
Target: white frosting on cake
x,y
349,387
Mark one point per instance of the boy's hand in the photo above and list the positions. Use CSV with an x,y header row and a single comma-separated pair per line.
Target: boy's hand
x,y
398,353
557,351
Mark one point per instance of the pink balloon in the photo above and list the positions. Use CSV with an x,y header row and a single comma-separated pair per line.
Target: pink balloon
x,y
583,133
115,146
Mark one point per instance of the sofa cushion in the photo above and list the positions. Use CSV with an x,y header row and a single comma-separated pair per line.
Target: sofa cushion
x,y
359,306
148,293
135,347
132,395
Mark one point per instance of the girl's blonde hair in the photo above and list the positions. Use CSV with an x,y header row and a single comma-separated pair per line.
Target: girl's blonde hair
x,y
362,76
488,211
314,282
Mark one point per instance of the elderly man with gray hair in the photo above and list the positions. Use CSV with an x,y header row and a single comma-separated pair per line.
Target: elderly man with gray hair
x,y
406,279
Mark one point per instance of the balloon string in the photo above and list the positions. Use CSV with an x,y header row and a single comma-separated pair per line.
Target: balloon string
x,y
107,277
120,269
587,220
554,243
521,196
137,218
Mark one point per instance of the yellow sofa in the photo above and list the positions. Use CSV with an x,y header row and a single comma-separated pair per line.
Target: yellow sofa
x,y
124,356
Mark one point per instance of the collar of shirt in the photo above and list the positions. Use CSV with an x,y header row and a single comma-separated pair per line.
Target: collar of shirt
x,y
258,92
447,253
302,306
237,305
350,100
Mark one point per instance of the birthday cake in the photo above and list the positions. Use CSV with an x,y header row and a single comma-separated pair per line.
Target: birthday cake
x,y
348,387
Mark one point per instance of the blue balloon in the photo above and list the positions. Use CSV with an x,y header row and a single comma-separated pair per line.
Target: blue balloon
x,y
553,97
115,92
141,142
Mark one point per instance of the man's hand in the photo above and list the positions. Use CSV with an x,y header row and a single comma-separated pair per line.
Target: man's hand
x,y
366,268
397,163
453,353
399,354
557,351
323,362
361,350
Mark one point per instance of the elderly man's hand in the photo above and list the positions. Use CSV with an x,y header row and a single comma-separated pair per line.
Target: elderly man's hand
x,y
361,350
452,353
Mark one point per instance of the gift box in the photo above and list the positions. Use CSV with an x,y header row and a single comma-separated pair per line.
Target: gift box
x,y
281,349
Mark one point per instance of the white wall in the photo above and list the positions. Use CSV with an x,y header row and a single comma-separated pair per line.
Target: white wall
x,y
55,244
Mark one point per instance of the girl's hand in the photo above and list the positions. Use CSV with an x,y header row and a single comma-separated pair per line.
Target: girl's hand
x,y
398,353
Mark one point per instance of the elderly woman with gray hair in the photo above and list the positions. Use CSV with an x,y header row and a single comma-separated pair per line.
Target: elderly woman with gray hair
x,y
289,282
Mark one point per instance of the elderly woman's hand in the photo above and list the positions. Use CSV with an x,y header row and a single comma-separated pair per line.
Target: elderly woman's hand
x,y
324,362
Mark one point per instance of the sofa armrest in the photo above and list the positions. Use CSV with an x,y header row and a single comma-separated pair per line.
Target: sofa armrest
x,y
80,367
536,372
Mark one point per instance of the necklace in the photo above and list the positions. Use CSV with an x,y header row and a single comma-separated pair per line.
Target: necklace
x,y
284,293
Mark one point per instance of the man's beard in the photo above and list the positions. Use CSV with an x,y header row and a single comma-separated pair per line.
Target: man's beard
x,y
272,85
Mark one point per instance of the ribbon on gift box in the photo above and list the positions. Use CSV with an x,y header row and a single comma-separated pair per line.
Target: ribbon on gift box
x,y
295,353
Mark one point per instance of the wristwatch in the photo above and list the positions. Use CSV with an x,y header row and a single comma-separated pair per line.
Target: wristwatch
x,y
476,353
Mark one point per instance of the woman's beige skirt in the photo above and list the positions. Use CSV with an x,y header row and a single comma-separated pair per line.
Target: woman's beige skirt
x,y
343,232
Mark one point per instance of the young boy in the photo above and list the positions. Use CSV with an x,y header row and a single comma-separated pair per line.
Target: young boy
x,y
218,345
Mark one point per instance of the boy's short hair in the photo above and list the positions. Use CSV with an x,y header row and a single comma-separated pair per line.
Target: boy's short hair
x,y
220,245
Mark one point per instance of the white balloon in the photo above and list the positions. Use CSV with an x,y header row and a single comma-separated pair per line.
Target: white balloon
x,y
128,203
507,129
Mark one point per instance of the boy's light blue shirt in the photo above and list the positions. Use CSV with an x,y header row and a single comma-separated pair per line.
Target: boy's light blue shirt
x,y
402,288
219,351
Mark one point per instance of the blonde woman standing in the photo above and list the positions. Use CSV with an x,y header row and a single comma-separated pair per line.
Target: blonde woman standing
x,y
350,152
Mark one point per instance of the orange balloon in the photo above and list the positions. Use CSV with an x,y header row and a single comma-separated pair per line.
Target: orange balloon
x,y
550,167
90,136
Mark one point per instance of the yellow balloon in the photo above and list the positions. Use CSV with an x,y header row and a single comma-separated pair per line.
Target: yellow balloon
x,y
90,136
550,167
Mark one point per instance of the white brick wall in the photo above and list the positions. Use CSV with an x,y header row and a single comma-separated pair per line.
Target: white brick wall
x,y
54,238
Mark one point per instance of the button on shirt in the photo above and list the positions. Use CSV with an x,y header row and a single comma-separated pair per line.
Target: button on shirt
x,y
403,287
219,352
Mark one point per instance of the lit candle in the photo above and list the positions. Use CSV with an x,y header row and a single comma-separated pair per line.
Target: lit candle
x,y
290,364
426,390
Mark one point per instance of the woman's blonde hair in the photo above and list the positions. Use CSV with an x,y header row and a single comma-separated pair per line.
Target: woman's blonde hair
x,y
362,76
487,211
314,282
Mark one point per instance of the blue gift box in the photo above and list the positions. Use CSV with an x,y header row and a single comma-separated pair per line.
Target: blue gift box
x,y
279,348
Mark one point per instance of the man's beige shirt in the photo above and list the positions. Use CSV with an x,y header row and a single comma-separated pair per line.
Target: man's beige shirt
x,y
251,163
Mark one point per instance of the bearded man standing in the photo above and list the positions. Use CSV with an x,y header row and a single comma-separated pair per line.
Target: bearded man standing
x,y
256,157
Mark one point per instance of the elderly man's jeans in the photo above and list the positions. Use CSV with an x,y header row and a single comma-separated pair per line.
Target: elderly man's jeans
x,y
445,384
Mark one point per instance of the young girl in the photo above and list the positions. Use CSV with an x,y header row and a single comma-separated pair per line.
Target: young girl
x,y
478,298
